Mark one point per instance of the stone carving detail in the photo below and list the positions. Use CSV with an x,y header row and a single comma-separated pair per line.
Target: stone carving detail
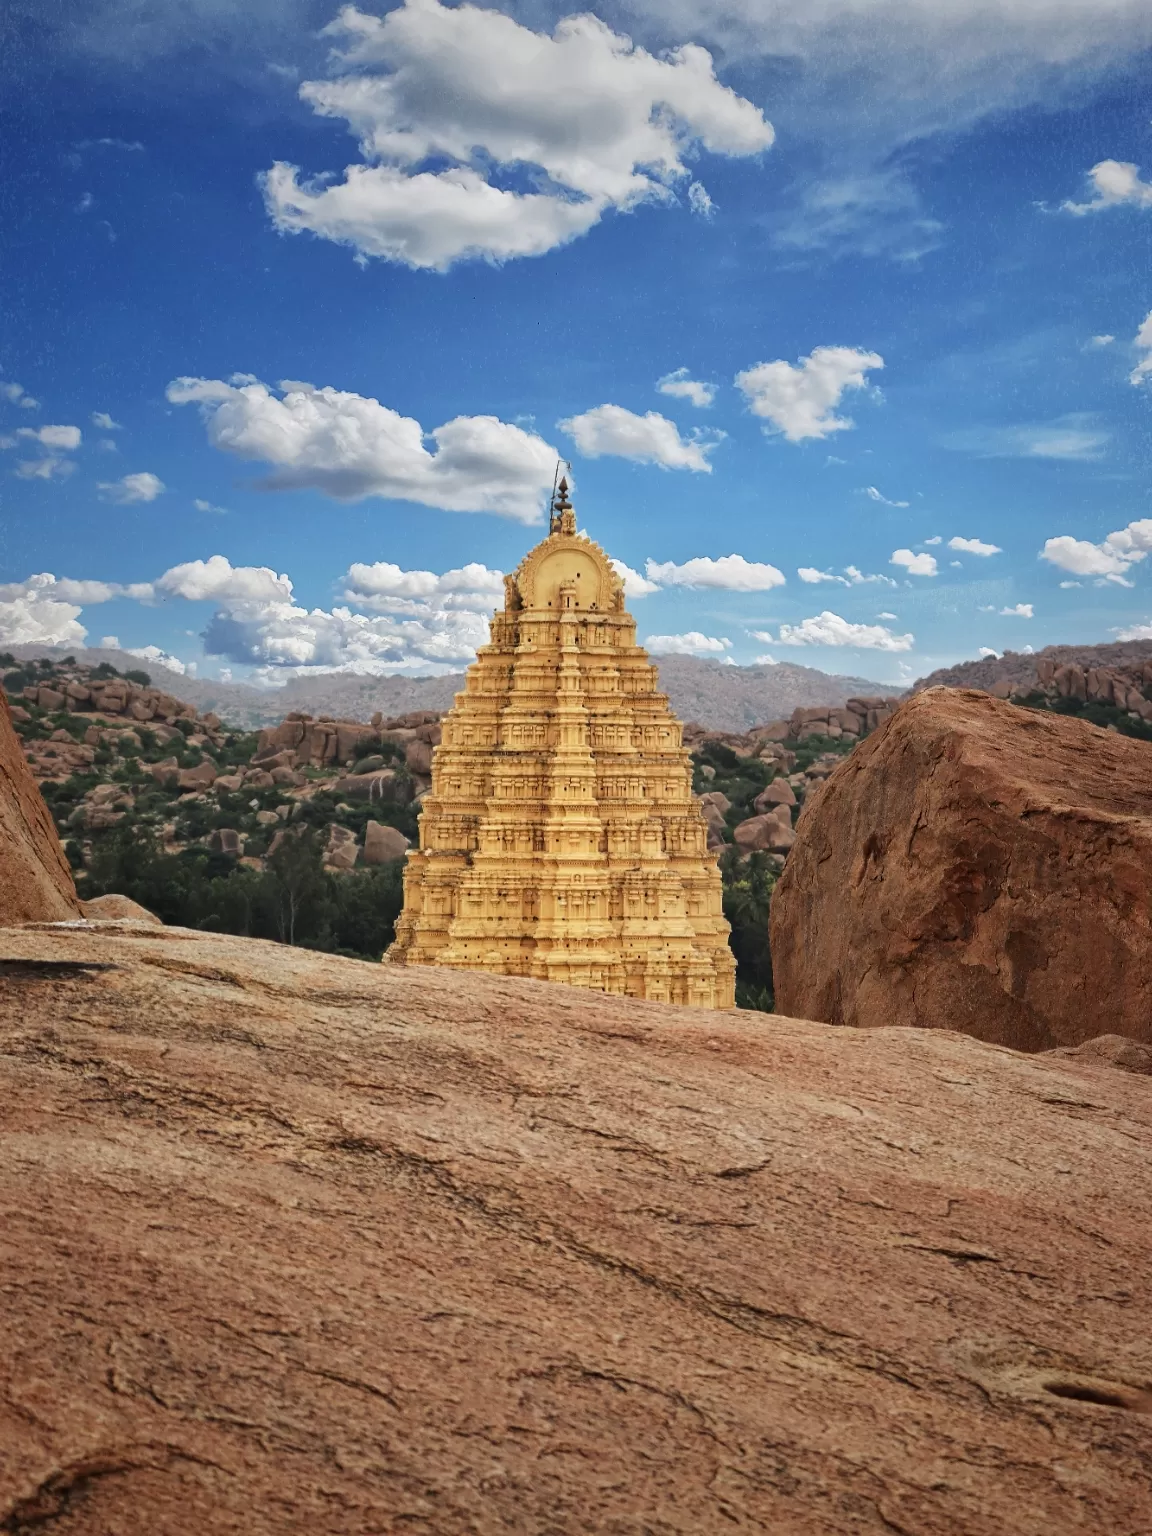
x,y
561,839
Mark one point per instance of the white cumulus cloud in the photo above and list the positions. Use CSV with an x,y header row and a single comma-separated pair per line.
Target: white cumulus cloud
x,y
830,629
1018,611
1113,183
1143,345
34,613
648,439
915,565
974,546
800,399
102,420
729,573
15,395
350,446
691,644
160,658
446,100
258,621
387,588
682,386
131,489
635,585
61,438
1110,560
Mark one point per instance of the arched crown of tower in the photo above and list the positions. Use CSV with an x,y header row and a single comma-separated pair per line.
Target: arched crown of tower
x,y
565,572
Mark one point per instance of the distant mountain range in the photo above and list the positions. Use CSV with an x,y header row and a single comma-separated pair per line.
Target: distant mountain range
x,y
723,698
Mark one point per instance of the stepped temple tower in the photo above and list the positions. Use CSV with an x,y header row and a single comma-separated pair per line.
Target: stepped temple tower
x,y
561,839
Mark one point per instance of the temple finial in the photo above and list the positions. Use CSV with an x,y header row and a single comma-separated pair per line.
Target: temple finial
x,y
563,518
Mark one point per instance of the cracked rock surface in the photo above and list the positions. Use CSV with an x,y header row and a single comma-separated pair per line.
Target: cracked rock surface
x,y
977,866
294,1244
36,883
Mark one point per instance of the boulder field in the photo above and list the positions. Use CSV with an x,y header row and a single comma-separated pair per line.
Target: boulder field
x,y
292,1243
975,866
35,880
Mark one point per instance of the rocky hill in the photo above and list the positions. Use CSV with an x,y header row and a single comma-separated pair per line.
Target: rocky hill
x,y
721,698
1019,668
298,1244
296,832
245,707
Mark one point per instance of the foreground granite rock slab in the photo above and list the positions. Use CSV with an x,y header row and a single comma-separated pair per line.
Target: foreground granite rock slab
x,y
293,1244
35,880
976,866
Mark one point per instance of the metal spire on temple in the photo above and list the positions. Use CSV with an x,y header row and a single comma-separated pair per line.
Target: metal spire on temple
x,y
563,519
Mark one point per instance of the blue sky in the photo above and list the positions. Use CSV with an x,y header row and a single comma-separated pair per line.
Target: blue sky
x,y
297,322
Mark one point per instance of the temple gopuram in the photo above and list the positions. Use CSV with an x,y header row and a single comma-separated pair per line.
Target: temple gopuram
x,y
561,839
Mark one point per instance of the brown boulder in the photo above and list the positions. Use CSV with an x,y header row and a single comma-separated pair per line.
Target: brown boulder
x,y
298,1244
776,731
341,850
348,739
713,817
765,833
120,909
386,785
779,792
165,773
1110,1051
383,844
418,757
717,798
35,881
226,840
975,866
200,777
270,758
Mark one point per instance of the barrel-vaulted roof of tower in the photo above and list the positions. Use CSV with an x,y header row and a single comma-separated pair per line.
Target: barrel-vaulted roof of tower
x,y
573,559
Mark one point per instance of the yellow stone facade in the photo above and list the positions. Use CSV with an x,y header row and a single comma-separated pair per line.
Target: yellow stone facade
x,y
561,839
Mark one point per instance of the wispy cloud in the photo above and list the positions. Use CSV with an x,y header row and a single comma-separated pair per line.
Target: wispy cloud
x,y
1074,436
874,495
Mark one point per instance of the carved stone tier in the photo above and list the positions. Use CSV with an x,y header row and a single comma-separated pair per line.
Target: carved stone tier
x,y
561,839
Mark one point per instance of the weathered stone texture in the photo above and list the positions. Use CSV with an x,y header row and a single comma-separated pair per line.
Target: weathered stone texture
x,y
35,880
975,866
294,1244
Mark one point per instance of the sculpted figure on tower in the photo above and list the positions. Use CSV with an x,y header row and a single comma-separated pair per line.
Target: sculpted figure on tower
x,y
561,839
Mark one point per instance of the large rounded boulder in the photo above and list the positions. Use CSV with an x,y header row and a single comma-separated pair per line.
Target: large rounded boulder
x,y
975,866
